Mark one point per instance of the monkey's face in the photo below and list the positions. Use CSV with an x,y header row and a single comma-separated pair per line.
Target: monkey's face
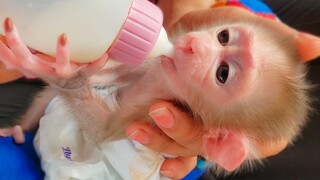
x,y
221,61
237,70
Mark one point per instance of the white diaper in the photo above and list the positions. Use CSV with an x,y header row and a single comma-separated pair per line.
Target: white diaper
x,y
65,153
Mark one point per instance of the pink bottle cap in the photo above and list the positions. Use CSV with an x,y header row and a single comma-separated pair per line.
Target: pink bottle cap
x,y
139,33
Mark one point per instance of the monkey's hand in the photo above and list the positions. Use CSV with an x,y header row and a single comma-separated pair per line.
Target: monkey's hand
x,y
57,70
16,132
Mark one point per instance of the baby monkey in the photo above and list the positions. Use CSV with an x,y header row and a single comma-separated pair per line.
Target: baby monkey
x,y
243,80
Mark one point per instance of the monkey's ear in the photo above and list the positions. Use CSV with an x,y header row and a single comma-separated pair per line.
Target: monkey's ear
x,y
307,45
226,148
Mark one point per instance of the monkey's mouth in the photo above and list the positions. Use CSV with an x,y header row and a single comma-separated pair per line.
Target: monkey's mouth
x,y
168,65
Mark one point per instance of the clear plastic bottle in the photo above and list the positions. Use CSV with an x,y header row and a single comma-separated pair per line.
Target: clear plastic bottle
x,y
128,30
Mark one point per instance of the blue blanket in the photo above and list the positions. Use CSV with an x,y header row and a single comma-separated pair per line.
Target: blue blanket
x,y
19,161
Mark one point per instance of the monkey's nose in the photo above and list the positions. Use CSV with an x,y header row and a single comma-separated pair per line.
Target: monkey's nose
x,y
196,46
192,46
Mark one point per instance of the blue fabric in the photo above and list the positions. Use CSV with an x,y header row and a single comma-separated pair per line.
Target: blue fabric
x,y
257,6
199,170
19,161
196,173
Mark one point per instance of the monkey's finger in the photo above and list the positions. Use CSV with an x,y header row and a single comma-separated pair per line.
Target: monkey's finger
x,y
8,57
14,41
95,66
63,57
18,135
178,125
179,167
153,138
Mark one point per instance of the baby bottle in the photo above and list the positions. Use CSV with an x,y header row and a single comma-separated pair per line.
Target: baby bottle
x,y
128,30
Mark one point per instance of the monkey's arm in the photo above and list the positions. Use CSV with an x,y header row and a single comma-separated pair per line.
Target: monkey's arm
x,y
30,120
67,79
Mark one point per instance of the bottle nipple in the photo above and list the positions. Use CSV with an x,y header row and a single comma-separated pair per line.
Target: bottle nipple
x,y
162,46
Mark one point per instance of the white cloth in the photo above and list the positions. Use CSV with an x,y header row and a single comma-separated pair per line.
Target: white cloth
x,y
65,154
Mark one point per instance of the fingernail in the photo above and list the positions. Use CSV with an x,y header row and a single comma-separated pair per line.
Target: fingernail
x,y
167,173
8,26
163,117
63,39
139,136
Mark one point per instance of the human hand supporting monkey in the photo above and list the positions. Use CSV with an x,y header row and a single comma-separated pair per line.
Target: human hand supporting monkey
x,y
177,129
183,134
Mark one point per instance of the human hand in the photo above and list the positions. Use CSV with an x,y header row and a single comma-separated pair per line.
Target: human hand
x,y
8,76
172,136
57,70
178,134
192,20
173,10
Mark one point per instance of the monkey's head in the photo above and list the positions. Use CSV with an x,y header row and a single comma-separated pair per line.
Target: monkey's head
x,y
245,77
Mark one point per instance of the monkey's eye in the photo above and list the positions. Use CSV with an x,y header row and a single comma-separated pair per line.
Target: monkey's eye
x,y
222,73
223,37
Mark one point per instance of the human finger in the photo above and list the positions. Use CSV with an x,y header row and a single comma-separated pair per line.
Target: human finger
x,y
198,18
178,125
155,139
267,149
179,167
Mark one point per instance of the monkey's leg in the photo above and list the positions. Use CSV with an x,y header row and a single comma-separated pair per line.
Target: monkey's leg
x,y
16,132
